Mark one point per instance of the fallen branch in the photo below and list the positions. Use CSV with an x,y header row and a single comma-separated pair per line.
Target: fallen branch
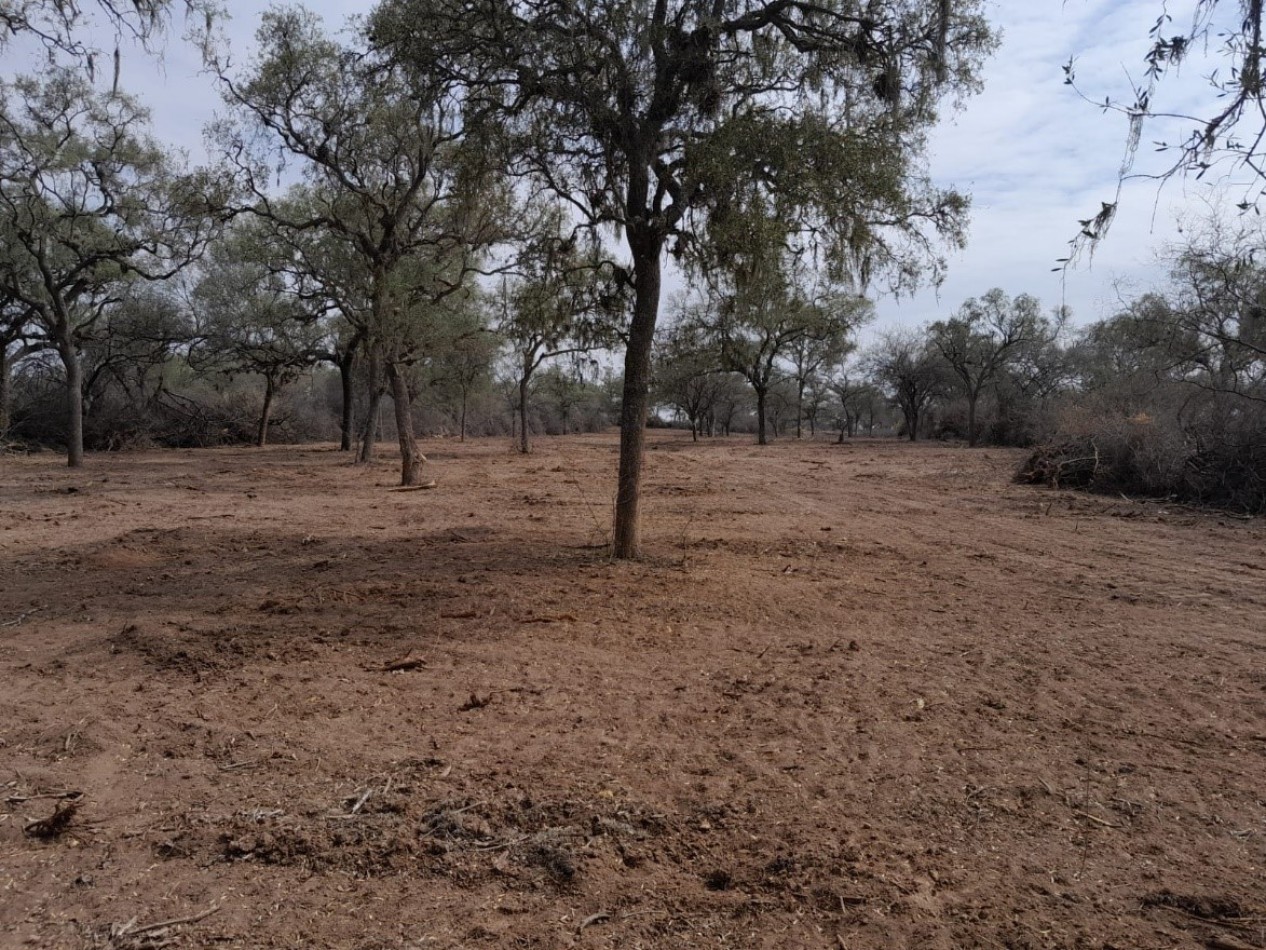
x,y
20,617
1099,821
55,824
423,487
360,802
591,920
400,665
235,766
20,799
131,930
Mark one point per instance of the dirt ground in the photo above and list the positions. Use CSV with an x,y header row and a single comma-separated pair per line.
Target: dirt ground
x,y
864,695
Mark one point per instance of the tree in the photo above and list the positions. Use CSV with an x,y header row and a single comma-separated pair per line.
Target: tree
x,y
906,365
637,114
18,340
251,321
732,402
394,174
851,391
764,330
983,338
125,363
323,274
343,342
812,400
1215,323
560,305
807,356
464,361
764,308
688,374
89,204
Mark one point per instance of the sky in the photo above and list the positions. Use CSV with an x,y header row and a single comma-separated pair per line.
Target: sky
x,y
1034,156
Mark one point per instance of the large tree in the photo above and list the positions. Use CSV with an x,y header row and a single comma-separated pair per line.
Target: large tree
x,y
857,397
760,326
688,373
907,367
18,340
89,204
252,319
465,365
773,314
324,272
1215,321
127,363
635,113
559,304
394,174
984,337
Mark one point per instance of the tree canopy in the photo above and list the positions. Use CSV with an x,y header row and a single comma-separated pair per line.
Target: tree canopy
x,y
89,204
637,115
394,175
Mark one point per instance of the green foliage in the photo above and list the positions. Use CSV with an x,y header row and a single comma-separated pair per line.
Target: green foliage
x,y
88,201
563,298
89,207
399,194
987,337
250,318
650,119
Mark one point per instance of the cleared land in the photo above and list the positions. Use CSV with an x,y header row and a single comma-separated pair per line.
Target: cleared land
x,y
871,695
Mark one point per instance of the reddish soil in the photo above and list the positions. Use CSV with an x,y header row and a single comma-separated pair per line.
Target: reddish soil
x,y
870,695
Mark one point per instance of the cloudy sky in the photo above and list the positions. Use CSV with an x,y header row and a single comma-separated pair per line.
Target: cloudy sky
x,y
1034,156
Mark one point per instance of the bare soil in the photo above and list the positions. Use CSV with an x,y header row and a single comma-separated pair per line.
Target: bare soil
x,y
869,695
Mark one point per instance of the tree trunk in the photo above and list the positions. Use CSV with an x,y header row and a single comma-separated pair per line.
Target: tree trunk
x,y
761,437
525,444
635,404
912,424
369,431
270,389
800,409
971,418
74,404
347,413
411,460
461,435
6,389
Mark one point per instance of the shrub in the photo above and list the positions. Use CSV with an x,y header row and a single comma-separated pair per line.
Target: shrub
x,y
1208,450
